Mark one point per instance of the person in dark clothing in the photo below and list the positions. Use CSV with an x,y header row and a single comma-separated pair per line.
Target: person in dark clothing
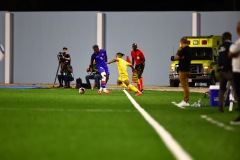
x,y
66,76
93,74
184,56
138,60
64,57
224,67
66,71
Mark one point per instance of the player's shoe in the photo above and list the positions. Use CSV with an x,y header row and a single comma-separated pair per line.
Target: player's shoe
x,y
236,121
183,104
138,94
99,92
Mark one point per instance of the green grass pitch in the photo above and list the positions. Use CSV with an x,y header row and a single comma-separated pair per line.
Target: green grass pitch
x,y
61,124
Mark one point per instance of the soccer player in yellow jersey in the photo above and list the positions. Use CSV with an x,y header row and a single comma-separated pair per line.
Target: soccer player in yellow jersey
x,y
123,79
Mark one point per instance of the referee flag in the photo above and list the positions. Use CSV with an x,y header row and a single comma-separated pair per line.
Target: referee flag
x,y
128,59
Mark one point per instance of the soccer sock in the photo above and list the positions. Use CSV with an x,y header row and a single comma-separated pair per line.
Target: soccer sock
x,y
139,86
103,84
141,83
133,88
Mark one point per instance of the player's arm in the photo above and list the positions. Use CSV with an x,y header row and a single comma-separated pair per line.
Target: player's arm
x,y
112,61
142,57
91,63
132,67
106,57
143,60
133,61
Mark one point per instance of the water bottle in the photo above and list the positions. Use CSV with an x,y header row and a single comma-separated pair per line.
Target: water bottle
x,y
194,104
199,102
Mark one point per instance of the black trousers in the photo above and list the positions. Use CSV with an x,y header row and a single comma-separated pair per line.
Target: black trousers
x,y
66,79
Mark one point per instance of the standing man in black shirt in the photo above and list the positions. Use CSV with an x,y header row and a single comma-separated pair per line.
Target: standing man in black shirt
x,y
64,62
224,67
184,56
64,56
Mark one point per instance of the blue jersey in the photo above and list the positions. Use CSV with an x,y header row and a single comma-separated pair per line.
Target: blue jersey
x,y
100,58
101,61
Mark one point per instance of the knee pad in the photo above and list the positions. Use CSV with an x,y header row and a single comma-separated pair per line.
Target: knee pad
x,y
103,74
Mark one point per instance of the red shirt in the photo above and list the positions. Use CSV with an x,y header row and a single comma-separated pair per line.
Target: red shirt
x,y
137,56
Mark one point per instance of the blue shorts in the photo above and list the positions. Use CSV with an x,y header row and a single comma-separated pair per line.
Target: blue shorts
x,y
103,69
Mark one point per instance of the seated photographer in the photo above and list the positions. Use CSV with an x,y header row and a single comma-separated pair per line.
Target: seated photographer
x,y
93,74
66,75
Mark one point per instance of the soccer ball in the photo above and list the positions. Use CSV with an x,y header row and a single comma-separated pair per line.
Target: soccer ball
x,y
81,90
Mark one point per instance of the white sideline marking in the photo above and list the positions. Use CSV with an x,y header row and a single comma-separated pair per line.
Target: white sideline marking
x,y
219,124
68,110
167,138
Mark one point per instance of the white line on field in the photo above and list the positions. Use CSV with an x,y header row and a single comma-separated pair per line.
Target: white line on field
x,y
219,124
167,138
67,110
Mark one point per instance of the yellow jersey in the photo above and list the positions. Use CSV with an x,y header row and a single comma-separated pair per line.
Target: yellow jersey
x,y
122,66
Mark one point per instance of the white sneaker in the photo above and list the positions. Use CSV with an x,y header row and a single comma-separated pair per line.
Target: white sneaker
x,y
183,104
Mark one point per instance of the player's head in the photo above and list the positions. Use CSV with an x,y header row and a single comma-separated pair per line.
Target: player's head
x,y
95,48
134,46
119,55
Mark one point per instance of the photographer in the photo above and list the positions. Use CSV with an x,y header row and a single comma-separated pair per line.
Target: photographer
x,y
64,56
66,75
93,74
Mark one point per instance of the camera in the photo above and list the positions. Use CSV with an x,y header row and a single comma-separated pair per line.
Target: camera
x,y
60,54
61,57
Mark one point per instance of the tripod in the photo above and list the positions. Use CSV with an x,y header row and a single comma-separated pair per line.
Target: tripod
x,y
59,64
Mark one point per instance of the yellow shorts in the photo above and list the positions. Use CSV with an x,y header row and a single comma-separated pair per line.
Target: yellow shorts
x,y
123,77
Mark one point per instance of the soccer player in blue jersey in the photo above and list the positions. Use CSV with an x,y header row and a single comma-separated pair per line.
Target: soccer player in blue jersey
x,y
100,57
